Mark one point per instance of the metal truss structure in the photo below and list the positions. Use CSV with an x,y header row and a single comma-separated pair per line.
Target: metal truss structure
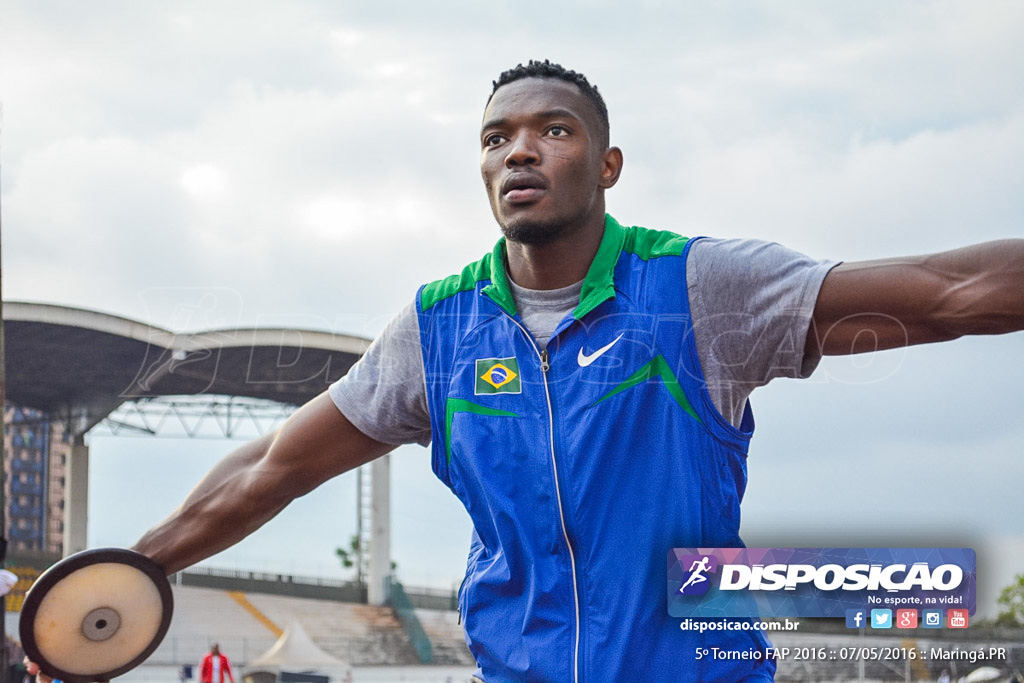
x,y
211,417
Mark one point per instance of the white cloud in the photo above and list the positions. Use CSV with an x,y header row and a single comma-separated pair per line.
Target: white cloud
x,y
204,181
930,191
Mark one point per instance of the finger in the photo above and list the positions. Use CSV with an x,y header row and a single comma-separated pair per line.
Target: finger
x,y
33,670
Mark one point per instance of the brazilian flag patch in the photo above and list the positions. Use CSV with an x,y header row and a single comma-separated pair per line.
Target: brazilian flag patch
x,y
497,376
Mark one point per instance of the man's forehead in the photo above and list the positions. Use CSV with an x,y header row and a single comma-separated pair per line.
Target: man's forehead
x,y
535,95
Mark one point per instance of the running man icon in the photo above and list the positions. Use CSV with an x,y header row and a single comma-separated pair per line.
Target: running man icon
x,y
696,570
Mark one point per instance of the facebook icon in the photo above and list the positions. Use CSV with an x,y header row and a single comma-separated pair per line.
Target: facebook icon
x,y
855,618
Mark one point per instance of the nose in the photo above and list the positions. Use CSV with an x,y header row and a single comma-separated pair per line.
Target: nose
x,y
522,151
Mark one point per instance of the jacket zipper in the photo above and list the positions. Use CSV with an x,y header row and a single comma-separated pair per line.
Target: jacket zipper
x,y
545,365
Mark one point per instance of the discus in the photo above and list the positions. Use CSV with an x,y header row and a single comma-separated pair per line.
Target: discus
x,y
95,615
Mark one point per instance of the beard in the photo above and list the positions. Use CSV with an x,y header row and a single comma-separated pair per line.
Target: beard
x,y
533,232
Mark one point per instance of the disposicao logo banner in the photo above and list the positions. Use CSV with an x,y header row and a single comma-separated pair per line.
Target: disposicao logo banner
x,y
817,582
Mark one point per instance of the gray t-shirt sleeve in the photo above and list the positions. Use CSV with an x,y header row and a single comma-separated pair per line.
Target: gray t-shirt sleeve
x,y
384,393
751,303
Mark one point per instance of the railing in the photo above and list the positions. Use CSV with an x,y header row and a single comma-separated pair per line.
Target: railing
x,y
267,576
180,650
306,586
410,622
314,587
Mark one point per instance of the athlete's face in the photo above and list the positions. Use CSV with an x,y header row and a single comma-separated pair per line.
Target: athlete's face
x,y
542,160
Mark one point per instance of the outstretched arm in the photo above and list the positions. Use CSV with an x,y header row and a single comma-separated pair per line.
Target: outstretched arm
x,y
874,305
252,484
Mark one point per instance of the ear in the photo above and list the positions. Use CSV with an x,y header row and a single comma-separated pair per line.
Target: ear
x,y
611,167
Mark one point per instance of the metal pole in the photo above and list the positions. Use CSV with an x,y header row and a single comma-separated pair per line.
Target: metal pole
x,y
3,455
361,473
860,661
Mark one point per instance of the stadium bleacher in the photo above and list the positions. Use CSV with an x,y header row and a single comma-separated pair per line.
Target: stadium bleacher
x,y
360,634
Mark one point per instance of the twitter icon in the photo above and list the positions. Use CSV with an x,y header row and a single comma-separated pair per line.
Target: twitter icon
x,y
881,618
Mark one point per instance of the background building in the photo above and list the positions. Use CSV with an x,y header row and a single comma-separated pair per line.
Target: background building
x,y
37,450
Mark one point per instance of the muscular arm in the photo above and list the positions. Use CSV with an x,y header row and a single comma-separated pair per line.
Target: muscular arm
x,y
873,305
252,484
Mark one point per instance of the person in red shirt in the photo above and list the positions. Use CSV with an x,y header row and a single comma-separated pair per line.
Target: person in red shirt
x,y
215,667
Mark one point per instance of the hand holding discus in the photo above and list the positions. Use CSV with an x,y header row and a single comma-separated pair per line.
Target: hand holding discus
x,y
95,615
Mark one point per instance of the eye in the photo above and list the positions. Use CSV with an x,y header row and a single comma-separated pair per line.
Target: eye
x,y
493,140
558,131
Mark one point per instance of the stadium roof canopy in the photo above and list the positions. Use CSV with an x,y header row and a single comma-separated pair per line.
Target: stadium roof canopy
x,y
82,363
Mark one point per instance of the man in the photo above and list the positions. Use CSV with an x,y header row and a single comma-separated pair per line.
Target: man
x,y
584,388
215,667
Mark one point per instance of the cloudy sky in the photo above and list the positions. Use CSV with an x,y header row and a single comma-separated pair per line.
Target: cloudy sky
x,y
309,164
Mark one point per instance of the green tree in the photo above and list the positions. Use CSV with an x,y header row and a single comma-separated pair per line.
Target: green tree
x,y
350,557
1011,603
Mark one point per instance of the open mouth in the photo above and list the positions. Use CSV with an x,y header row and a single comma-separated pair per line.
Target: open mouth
x,y
523,187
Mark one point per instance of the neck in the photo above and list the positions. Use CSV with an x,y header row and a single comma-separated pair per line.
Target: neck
x,y
556,264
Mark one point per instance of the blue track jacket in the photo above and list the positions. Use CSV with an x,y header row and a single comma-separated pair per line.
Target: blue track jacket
x,y
581,466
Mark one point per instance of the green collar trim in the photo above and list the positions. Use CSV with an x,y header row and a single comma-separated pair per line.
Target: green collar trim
x,y
598,285
499,291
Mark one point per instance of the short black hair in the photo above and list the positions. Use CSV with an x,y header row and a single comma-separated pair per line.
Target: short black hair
x,y
549,69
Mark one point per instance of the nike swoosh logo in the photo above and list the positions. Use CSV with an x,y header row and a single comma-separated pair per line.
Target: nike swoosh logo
x,y
584,360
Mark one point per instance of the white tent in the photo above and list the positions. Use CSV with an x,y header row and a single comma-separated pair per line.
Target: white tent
x,y
985,673
295,651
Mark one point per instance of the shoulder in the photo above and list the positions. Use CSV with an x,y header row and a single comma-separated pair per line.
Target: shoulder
x,y
649,244
467,279
749,263
738,250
